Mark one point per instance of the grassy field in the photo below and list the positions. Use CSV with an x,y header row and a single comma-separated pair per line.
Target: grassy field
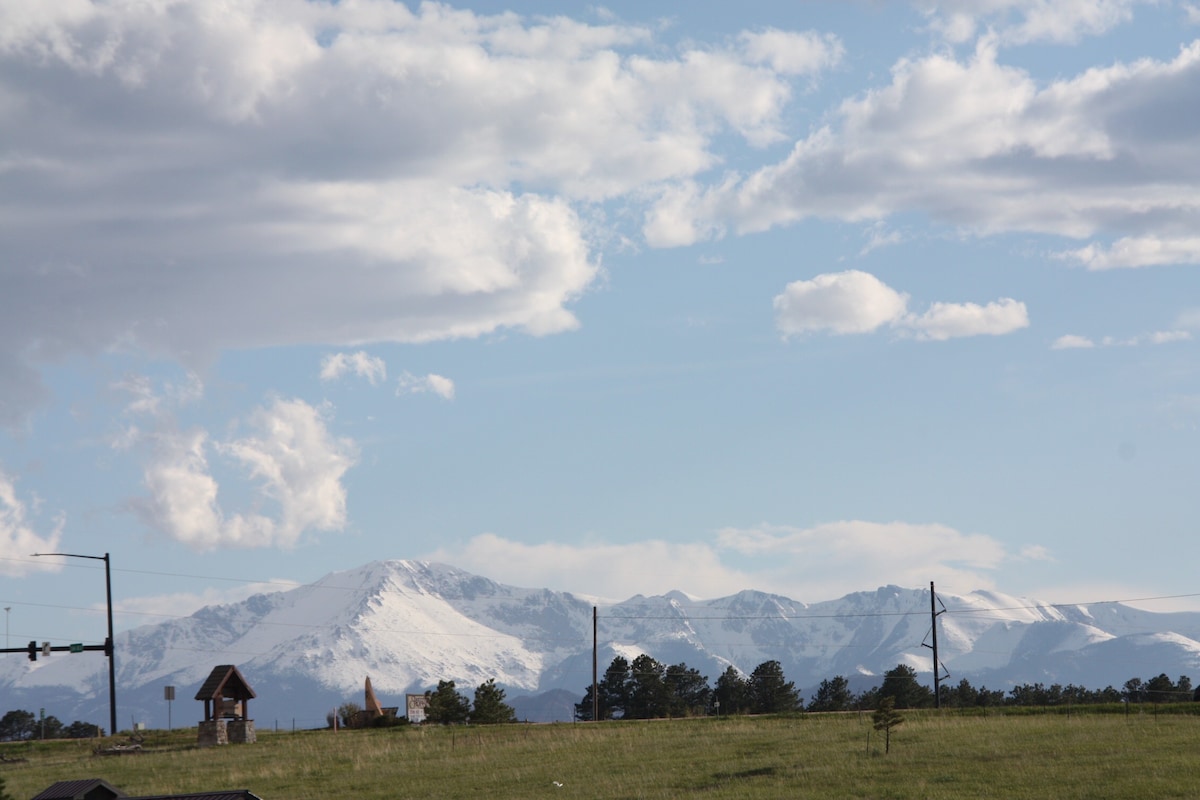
x,y
933,755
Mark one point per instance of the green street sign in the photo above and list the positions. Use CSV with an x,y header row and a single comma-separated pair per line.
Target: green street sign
x,y
77,648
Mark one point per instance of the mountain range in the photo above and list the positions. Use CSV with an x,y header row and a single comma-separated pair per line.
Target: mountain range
x,y
409,624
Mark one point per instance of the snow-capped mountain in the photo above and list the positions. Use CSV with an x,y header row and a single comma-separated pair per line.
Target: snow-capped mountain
x,y
409,624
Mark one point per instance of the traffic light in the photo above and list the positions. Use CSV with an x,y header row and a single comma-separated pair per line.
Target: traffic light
x,y
33,648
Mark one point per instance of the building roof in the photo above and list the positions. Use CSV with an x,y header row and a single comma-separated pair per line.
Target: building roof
x,y
82,789
231,794
225,681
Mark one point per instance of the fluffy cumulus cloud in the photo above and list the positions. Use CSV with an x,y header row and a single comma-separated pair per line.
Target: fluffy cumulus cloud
x,y
980,145
198,158
290,462
18,536
858,302
433,383
809,564
360,364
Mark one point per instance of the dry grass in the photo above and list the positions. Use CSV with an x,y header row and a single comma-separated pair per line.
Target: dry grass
x,y
934,755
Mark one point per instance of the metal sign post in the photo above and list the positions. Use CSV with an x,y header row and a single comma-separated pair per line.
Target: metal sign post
x,y
168,695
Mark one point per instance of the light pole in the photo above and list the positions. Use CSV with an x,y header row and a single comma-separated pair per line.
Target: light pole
x,y
109,646
6,610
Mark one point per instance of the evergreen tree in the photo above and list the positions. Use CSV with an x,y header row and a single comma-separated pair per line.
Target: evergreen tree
x,y
901,683
732,693
80,730
1160,689
490,708
885,718
446,705
687,690
648,697
17,725
832,695
615,687
770,692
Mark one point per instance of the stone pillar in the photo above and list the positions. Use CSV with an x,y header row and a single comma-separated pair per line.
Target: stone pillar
x,y
212,732
241,731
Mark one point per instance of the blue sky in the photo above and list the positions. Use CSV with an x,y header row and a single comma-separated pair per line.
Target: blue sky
x,y
804,297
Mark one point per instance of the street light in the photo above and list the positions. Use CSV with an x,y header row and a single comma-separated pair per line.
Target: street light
x,y
109,647
6,610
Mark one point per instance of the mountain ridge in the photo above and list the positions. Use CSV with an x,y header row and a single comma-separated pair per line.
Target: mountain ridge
x,y
408,624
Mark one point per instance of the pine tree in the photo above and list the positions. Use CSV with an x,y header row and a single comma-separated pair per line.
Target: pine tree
x,y
447,705
832,695
770,692
885,718
732,693
490,708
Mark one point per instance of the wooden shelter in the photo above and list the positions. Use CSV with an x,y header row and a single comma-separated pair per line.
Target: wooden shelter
x,y
226,697
84,789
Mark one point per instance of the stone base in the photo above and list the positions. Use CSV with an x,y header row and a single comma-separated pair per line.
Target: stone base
x,y
212,733
241,731
226,731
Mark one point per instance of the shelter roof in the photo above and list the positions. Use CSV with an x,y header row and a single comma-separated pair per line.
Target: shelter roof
x,y
225,681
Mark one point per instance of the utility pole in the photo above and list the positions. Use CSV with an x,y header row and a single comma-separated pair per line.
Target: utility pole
x,y
937,665
595,685
6,610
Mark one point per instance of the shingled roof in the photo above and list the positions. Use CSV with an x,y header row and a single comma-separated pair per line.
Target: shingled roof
x,y
99,789
82,789
225,681
233,794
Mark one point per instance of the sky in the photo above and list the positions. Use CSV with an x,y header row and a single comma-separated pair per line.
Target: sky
x,y
805,297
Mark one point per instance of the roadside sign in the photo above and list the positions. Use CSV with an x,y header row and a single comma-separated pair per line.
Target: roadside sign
x,y
77,647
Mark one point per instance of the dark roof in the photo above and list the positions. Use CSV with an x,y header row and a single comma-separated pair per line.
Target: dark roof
x,y
232,794
83,789
225,681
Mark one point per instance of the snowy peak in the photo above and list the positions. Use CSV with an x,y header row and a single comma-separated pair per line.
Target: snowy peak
x,y
409,624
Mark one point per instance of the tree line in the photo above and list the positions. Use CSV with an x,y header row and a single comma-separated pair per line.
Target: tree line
x,y
648,689
18,726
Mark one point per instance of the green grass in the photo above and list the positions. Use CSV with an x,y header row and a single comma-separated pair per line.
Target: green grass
x,y
933,755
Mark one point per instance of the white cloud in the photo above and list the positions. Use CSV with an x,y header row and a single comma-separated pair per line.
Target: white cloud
x,y
1167,337
293,463
842,302
1075,342
1072,341
371,368
951,320
1036,552
603,570
819,563
858,302
215,171
418,384
1141,251
18,538
150,609
982,146
837,557
792,53
1024,21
